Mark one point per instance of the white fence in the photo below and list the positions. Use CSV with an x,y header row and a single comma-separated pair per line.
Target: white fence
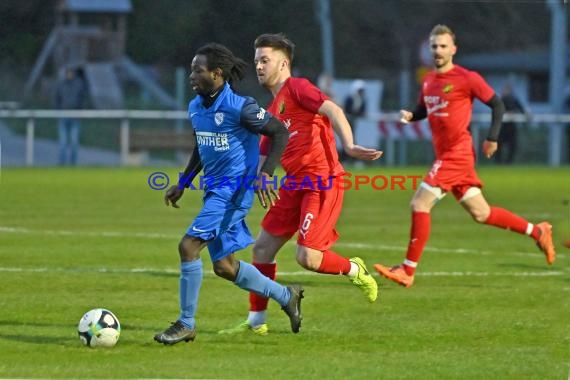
x,y
388,129
369,130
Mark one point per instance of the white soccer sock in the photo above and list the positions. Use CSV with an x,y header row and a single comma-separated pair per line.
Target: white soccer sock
x,y
410,263
354,268
256,318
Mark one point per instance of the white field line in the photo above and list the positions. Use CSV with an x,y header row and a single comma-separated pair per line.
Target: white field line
x,y
106,234
280,273
350,245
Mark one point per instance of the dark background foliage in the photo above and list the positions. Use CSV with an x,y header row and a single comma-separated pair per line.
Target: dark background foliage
x,y
371,37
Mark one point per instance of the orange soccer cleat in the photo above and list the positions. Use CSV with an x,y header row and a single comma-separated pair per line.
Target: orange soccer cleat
x,y
545,242
396,274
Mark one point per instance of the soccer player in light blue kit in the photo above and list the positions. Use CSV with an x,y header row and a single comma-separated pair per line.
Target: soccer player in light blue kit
x,y
227,127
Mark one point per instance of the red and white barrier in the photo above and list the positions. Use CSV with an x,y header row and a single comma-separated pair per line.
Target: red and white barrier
x,y
417,130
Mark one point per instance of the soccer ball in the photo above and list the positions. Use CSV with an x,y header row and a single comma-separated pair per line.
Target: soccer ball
x,y
99,328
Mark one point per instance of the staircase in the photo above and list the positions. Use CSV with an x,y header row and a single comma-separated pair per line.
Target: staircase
x,y
104,87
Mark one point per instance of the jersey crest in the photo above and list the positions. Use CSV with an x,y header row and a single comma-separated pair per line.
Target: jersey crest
x,y
219,118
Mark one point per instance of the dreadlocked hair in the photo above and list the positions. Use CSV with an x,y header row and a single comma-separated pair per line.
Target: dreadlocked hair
x,y
219,56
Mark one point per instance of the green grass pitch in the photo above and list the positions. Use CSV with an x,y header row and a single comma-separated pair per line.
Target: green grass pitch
x,y
484,306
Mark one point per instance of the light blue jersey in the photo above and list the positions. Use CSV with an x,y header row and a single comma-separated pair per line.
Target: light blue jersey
x,y
227,135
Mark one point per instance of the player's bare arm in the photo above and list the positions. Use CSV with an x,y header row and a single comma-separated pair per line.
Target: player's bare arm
x,y
342,128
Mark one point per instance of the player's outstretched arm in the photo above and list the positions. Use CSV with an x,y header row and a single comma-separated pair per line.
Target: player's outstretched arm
x,y
275,137
342,128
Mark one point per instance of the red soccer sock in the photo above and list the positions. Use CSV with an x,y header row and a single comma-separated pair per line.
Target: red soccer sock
x,y
499,217
257,302
419,235
333,263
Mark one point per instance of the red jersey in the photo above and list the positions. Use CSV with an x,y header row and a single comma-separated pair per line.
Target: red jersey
x,y
311,149
448,98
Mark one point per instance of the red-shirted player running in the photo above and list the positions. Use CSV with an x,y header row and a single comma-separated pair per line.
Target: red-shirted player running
x,y
311,159
446,99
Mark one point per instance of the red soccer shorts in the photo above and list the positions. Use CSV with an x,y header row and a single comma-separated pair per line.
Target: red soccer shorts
x,y
311,213
455,175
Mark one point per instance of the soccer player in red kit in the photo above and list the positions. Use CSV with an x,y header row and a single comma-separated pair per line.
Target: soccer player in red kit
x,y
446,99
310,158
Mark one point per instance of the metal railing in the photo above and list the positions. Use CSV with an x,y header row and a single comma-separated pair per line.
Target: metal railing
x,y
556,124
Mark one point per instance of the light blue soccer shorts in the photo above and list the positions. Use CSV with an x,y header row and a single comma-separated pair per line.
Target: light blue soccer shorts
x,y
222,224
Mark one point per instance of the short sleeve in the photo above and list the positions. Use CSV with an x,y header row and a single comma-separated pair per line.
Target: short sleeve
x,y
307,94
480,89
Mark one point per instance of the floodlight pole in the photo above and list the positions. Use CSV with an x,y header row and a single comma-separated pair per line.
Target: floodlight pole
x,y
324,18
180,99
558,44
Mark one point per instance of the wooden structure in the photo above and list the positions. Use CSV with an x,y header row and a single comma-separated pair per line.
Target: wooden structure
x,y
90,31
91,35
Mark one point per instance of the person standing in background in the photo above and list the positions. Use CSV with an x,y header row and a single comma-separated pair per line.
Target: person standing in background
x,y
70,94
354,108
508,136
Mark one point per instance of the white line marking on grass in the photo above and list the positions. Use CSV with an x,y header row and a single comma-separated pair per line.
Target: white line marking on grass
x,y
538,215
350,245
285,273
376,247
402,248
486,274
149,235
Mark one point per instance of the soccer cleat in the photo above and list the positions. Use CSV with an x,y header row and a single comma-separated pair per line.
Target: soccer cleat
x,y
364,280
545,242
243,327
177,332
293,307
396,274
